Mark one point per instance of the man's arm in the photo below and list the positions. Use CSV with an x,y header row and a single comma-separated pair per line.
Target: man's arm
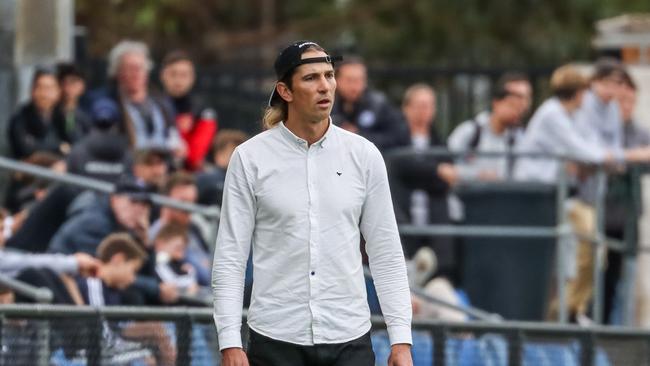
x,y
231,253
385,255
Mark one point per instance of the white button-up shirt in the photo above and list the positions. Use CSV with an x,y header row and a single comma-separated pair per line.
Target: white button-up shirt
x,y
303,209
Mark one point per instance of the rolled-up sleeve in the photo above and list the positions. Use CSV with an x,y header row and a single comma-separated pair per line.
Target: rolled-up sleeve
x,y
379,228
231,252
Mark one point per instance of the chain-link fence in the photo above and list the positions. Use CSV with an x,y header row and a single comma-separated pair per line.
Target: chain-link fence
x,y
76,336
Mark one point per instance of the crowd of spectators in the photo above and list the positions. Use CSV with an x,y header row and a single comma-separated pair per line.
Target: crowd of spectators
x,y
167,141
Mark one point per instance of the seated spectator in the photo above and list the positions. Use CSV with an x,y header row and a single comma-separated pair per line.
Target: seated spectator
x,y
73,85
364,111
419,193
126,209
170,245
103,153
182,187
151,167
210,181
24,189
121,258
39,125
494,131
144,118
195,123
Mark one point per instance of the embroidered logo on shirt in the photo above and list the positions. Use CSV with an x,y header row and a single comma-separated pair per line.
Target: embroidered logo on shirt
x,y
339,173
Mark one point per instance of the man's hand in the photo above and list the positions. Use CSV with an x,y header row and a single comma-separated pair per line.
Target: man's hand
x,y
88,265
168,293
448,173
400,355
234,357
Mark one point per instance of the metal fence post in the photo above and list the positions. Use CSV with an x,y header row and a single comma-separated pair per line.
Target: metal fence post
x,y
439,335
587,349
183,340
43,342
562,236
514,348
94,350
600,248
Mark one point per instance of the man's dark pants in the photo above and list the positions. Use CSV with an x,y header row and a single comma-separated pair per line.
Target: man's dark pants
x,y
264,351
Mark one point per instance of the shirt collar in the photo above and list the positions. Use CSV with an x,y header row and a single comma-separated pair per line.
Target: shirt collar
x,y
302,142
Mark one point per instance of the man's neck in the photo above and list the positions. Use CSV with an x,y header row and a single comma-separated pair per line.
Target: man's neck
x,y
420,130
136,96
497,126
311,132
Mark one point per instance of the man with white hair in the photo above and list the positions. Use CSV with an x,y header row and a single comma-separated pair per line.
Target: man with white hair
x,y
145,120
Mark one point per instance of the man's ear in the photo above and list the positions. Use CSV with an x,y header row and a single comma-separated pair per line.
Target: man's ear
x,y
284,91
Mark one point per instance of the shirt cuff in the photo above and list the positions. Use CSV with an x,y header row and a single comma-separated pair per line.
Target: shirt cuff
x,y
619,155
230,338
400,334
69,265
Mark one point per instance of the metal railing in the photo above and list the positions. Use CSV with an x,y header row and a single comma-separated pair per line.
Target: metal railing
x,y
211,212
560,231
38,294
435,342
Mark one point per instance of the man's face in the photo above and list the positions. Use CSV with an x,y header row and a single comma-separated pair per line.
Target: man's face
x,y
627,101
608,87
121,273
46,92
516,104
130,214
420,110
132,74
72,87
178,78
174,246
185,193
152,172
312,92
222,157
352,80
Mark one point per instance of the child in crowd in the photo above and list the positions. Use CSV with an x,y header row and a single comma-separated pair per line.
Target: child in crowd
x,y
121,258
170,245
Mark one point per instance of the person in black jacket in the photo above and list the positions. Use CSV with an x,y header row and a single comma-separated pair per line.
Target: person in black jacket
x,y
39,125
419,193
104,153
366,112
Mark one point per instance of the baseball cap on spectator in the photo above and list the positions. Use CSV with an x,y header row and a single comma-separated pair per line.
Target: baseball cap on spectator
x,y
105,112
129,187
290,58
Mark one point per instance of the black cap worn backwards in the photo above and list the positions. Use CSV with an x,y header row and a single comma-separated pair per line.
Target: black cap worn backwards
x,y
290,58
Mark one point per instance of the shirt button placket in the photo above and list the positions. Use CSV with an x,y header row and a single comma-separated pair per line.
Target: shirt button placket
x,y
313,239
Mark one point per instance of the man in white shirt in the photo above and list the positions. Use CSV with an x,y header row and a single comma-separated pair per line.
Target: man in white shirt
x,y
301,194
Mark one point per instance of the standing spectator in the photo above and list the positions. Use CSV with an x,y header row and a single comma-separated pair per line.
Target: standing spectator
x,y
420,194
364,111
210,182
493,131
73,85
103,153
182,187
195,123
146,120
619,204
554,130
39,125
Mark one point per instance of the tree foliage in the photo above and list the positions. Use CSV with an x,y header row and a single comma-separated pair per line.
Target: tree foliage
x,y
426,32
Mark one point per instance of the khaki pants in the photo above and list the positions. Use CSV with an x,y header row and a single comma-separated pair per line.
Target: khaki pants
x,y
579,289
